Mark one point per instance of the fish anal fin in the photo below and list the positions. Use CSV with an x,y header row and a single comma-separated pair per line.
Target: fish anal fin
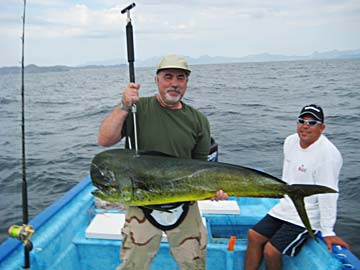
x,y
156,207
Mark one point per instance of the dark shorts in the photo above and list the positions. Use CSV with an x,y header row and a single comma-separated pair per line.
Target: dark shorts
x,y
285,237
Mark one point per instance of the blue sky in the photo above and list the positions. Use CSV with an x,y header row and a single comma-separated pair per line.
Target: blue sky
x,y
69,32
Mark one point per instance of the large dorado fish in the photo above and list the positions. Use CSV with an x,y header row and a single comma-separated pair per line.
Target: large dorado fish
x,y
122,176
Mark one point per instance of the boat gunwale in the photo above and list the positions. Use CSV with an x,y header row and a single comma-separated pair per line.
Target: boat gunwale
x,y
9,245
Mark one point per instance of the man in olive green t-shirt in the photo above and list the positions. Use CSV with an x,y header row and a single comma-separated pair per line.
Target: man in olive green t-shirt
x,y
167,125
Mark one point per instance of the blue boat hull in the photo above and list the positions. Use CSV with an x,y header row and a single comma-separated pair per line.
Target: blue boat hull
x,y
60,241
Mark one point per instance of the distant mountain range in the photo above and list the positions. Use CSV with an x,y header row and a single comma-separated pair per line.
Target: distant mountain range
x,y
204,59
263,57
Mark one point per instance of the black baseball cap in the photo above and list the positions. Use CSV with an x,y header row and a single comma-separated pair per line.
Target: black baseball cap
x,y
313,110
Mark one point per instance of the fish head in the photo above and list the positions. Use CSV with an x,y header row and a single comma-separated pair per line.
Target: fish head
x,y
111,186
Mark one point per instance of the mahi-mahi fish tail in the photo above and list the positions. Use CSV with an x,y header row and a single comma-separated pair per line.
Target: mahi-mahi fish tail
x,y
297,194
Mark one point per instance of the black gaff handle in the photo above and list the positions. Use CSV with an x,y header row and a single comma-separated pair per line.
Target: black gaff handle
x,y
130,50
130,42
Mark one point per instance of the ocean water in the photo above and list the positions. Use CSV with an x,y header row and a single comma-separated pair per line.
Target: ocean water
x,y
251,107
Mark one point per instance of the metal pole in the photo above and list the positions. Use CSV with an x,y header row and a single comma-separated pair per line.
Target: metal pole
x,y
131,60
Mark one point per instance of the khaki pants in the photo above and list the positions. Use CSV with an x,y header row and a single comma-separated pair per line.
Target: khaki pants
x,y
141,241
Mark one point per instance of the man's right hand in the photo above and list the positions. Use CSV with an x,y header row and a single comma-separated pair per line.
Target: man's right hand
x,y
131,94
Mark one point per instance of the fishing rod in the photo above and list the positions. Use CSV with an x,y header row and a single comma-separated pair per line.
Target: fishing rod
x,y
24,232
131,60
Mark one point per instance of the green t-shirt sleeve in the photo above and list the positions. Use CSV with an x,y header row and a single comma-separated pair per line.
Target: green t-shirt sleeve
x,y
202,146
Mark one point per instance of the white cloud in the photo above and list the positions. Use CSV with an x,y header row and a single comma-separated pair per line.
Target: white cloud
x,y
229,28
76,21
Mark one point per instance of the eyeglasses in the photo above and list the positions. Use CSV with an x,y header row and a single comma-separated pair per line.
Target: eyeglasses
x,y
309,122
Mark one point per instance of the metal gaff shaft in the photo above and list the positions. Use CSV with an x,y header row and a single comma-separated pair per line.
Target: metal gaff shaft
x,y
131,60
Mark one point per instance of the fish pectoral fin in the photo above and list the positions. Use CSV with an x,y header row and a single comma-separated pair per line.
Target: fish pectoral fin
x,y
298,201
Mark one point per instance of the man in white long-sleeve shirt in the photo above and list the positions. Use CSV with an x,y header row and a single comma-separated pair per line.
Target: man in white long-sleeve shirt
x,y
309,158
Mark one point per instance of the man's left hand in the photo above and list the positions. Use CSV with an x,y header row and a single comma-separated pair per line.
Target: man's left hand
x,y
220,195
335,240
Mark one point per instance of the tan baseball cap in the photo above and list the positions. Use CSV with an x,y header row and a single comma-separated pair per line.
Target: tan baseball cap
x,y
173,61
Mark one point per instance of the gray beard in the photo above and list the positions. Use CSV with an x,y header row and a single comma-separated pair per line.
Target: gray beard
x,y
171,99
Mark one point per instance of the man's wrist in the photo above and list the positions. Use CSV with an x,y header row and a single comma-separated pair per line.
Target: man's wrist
x,y
123,107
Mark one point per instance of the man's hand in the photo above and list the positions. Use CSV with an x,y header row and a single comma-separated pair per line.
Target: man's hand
x,y
131,94
220,195
335,240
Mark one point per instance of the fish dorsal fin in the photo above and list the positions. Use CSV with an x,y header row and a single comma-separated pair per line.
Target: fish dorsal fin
x,y
155,153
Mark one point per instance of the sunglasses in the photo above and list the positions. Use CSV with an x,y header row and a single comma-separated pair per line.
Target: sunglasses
x,y
309,122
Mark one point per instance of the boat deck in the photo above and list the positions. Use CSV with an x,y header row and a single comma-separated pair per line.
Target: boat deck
x,y
61,236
